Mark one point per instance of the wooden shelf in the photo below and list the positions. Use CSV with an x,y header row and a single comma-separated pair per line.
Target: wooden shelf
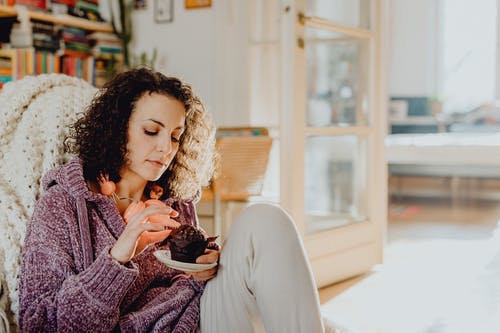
x,y
8,11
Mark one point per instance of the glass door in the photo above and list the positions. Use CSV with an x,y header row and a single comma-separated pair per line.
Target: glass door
x,y
333,173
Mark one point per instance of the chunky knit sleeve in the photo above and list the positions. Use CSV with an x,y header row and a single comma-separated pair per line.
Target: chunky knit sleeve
x,y
56,297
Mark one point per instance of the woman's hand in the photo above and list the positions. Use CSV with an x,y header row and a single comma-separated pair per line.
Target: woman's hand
x,y
126,247
209,257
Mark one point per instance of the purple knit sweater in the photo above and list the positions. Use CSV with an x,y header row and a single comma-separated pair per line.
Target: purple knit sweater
x,y
70,283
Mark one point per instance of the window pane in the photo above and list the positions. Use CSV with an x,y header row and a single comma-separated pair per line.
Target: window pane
x,y
468,54
337,71
355,13
335,181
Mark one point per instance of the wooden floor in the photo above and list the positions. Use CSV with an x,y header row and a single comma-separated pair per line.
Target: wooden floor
x,y
441,273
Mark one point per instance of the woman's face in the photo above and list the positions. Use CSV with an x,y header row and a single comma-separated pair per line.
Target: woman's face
x,y
155,127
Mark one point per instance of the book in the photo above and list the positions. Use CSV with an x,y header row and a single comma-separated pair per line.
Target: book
x,y
65,2
36,4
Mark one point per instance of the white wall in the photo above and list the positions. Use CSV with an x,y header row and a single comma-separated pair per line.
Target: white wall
x,y
468,53
413,60
212,48
186,47
445,49
232,63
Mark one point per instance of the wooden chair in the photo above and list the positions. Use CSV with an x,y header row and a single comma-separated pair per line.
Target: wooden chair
x,y
243,157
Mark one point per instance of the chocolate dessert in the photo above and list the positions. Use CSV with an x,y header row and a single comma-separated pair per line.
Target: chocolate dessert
x,y
187,243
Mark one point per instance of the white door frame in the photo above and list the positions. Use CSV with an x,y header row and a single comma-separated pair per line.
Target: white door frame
x,y
343,252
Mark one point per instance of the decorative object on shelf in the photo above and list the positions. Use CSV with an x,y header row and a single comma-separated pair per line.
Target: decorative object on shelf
x,y
164,11
194,4
398,109
139,4
125,32
436,105
21,34
143,59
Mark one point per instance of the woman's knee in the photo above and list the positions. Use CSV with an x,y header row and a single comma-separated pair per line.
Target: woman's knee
x,y
264,217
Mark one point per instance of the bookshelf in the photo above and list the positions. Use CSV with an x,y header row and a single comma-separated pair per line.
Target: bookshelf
x,y
9,11
89,50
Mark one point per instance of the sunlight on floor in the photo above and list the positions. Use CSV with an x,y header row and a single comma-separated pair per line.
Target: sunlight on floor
x,y
442,281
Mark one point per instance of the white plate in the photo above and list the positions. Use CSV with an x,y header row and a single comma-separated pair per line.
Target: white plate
x,y
164,257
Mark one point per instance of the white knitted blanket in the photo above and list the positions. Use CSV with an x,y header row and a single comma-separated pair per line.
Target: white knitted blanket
x,y
35,114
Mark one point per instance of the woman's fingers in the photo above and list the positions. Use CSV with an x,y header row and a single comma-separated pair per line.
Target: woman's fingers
x,y
140,220
164,219
205,275
156,202
129,243
209,257
148,226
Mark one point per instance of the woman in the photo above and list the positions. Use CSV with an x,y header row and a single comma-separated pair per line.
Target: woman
x,y
88,263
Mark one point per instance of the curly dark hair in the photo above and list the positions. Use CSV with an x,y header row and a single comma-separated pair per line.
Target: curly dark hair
x,y
100,137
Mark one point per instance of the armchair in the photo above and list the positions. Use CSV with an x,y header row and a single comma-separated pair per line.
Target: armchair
x,y
34,121
244,154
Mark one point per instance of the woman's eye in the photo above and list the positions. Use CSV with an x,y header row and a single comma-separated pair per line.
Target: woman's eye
x,y
151,133
174,139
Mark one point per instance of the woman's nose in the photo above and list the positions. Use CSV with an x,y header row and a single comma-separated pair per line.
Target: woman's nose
x,y
165,146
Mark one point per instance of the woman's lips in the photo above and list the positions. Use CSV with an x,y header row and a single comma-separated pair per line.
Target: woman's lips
x,y
157,164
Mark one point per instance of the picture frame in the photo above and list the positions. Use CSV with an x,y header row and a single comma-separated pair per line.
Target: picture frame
x,y
139,4
164,11
194,4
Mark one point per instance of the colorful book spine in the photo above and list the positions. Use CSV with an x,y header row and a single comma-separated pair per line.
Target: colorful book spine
x,y
38,4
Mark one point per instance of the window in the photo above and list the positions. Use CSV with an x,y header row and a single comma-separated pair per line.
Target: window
x,y
468,53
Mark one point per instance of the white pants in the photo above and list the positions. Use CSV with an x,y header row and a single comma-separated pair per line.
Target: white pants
x,y
264,281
